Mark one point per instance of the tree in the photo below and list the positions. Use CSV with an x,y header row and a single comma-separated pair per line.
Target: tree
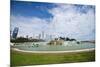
x,y
67,39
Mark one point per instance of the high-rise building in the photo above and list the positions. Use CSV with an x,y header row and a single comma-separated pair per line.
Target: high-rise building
x,y
15,32
42,35
27,36
39,36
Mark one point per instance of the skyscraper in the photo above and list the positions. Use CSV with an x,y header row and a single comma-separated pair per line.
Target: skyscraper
x,y
39,36
15,32
42,34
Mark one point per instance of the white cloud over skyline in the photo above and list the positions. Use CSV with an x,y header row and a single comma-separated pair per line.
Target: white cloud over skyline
x,y
67,21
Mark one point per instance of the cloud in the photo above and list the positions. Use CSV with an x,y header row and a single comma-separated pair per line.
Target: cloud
x,y
68,20
76,24
28,26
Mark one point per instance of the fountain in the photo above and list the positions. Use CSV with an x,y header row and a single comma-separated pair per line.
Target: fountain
x,y
56,45
56,42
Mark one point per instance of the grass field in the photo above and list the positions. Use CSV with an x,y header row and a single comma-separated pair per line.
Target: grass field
x,y
21,58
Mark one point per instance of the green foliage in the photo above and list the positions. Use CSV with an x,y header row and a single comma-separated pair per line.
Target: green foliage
x,y
22,39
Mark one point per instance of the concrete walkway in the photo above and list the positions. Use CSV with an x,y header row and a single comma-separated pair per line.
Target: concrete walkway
x,y
83,50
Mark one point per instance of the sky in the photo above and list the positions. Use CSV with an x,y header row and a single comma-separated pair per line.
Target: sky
x,y
56,19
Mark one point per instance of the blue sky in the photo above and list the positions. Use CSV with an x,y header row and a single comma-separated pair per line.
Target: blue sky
x,y
30,9
70,20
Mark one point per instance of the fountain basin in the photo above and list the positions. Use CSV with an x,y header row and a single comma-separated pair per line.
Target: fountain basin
x,y
43,47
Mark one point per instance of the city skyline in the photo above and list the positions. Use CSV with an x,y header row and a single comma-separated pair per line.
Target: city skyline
x,y
66,20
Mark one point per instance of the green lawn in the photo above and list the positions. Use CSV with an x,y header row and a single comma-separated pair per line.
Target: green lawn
x,y
21,58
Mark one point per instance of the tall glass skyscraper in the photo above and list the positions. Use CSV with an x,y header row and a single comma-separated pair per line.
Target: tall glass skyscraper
x,y
15,32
